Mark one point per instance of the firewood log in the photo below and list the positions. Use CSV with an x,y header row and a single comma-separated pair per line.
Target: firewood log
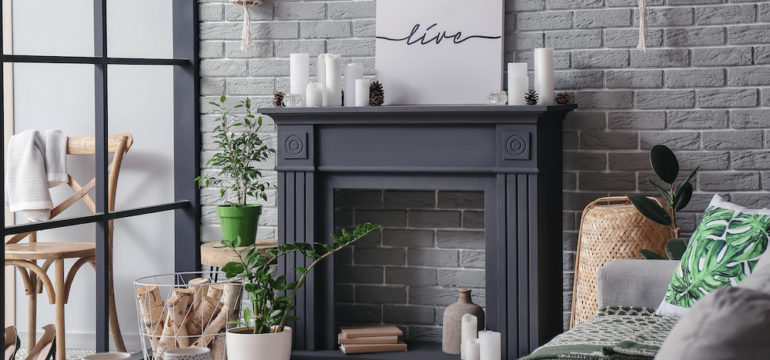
x,y
215,291
218,349
200,289
214,327
151,306
231,297
174,330
204,312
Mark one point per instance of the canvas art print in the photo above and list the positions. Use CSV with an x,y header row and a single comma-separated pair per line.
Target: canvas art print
x,y
439,51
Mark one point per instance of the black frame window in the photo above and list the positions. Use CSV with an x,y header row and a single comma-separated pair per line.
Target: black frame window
x,y
186,148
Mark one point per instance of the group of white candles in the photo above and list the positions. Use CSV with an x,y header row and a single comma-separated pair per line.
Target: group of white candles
x,y
518,80
327,90
478,345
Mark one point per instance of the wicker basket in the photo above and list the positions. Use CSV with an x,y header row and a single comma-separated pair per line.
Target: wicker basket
x,y
611,228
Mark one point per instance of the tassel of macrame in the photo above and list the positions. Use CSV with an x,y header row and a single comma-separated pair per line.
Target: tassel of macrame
x,y
642,25
246,33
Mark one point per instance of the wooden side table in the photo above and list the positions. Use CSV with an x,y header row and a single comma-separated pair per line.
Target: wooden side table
x,y
212,254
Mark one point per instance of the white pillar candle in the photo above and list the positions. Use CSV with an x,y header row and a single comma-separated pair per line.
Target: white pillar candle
x,y
489,345
468,331
362,92
333,80
314,95
471,349
518,83
322,75
299,73
544,76
353,72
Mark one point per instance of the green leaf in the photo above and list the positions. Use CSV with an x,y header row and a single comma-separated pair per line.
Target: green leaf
x,y
675,248
692,174
650,209
222,98
650,255
301,270
247,315
664,163
660,190
683,196
232,269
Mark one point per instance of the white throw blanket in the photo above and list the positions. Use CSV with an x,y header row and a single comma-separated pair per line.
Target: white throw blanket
x,y
35,163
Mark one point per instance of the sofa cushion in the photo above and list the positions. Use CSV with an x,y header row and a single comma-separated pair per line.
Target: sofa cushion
x,y
730,323
722,251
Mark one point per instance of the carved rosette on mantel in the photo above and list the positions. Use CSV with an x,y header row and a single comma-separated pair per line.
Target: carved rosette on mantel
x,y
511,153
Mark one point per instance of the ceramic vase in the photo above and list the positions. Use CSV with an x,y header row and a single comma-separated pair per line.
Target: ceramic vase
x,y
453,314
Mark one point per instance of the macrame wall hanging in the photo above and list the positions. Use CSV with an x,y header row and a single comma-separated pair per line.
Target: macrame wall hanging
x,y
246,33
642,25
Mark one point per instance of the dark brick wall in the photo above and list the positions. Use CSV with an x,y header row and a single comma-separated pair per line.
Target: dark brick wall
x,y
431,245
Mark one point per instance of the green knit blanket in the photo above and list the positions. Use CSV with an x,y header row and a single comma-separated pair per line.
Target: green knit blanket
x,y
614,333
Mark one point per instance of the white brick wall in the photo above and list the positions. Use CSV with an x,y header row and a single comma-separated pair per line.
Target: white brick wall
x,y
703,87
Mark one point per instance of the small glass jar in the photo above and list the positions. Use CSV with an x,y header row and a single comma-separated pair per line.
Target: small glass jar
x,y
292,100
497,97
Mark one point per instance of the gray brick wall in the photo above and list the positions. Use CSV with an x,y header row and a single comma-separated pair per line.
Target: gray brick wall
x,y
703,88
407,273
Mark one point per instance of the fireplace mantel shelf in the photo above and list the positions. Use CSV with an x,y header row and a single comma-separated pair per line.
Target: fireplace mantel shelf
x,y
392,114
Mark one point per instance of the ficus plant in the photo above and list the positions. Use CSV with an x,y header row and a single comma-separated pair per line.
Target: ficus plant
x,y
240,149
675,197
271,297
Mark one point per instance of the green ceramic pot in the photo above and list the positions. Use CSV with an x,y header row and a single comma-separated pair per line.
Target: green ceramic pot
x,y
239,221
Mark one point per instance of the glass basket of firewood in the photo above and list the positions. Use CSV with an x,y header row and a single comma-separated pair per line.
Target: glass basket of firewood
x,y
186,309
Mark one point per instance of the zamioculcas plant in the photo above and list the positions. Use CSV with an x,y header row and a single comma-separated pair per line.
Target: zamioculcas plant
x,y
675,197
271,297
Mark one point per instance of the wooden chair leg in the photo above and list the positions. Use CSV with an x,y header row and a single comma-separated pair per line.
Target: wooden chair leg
x,y
60,292
32,319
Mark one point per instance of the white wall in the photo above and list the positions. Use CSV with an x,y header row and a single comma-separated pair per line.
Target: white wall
x,y
140,103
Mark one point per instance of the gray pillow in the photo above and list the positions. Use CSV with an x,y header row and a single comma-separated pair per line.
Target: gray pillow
x,y
729,323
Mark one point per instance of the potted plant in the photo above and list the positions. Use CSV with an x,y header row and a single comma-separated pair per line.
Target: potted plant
x,y
675,197
263,329
239,150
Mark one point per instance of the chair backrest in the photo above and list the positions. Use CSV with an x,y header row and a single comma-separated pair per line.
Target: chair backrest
x,y
117,145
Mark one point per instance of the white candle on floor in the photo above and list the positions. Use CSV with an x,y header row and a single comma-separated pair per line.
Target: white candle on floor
x,y
333,79
468,332
353,72
489,345
471,349
544,76
315,94
518,83
362,92
322,75
299,73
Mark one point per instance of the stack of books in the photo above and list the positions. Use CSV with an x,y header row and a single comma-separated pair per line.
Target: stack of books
x,y
370,339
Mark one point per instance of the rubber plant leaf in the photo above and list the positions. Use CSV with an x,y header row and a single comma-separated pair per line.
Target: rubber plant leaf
x,y
664,163
723,251
683,196
650,209
675,248
650,255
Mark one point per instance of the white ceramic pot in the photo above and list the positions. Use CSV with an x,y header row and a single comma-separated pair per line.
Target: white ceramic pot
x,y
248,346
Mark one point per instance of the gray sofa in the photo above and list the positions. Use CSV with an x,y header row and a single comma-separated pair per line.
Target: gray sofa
x,y
729,323
634,282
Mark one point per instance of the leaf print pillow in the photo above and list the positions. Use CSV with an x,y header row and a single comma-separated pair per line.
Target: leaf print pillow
x,y
723,250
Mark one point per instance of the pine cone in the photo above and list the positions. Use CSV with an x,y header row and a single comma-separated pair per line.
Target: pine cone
x,y
531,97
563,98
278,99
376,94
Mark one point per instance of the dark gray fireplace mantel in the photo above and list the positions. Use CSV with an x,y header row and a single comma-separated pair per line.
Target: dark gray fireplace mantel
x,y
511,153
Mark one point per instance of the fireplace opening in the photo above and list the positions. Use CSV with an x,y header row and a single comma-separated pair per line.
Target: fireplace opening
x,y
431,245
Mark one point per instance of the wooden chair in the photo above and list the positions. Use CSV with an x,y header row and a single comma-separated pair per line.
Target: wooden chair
x,y
25,256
